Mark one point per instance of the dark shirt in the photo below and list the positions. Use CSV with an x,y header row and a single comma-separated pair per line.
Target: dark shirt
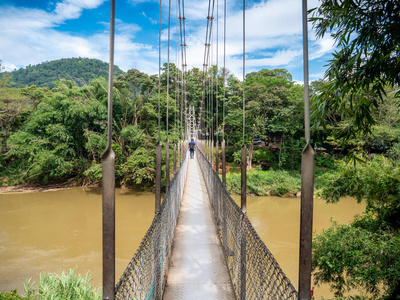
x,y
191,146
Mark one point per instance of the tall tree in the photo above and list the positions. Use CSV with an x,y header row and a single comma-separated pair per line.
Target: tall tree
x,y
368,41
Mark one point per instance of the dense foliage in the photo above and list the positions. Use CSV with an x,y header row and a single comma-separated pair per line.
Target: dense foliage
x,y
58,135
79,70
366,62
363,254
356,109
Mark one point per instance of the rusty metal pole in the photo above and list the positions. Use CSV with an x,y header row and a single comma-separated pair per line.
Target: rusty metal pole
x,y
307,181
223,162
157,204
174,159
217,157
157,275
243,204
167,172
243,200
108,197
243,166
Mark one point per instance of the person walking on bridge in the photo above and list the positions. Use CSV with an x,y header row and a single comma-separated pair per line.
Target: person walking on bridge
x,y
191,148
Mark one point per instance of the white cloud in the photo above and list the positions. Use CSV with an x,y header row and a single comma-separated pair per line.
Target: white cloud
x,y
273,36
135,2
72,9
31,37
324,45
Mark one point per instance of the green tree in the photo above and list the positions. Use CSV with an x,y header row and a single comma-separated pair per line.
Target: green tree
x,y
366,34
365,253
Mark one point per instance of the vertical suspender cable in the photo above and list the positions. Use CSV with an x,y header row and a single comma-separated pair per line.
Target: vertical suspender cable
x,y
307,181
243,243
158,147
181,103
212,97
244,161
108,197
176,86
223,107
216,102
167,173
156,250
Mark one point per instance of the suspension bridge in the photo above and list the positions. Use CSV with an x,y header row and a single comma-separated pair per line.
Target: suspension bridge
x,y
201,244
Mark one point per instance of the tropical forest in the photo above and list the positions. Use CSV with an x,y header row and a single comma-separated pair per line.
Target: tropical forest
x,y
53,119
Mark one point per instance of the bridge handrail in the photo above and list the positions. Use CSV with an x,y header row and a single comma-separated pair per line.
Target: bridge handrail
x,y
144,277
264,278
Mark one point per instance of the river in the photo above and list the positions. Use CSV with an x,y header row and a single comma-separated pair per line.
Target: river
x,y
58,230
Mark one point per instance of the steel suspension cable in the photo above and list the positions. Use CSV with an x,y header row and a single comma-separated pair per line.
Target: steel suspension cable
x,y
159,74
157,208
167,171
169,38
244,62
243,196
181,44
223,103
223,106
216,99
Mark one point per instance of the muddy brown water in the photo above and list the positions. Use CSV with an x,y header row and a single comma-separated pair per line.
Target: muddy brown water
x,y
58,230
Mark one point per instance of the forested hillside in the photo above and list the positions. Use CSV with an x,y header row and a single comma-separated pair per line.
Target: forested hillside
x,y
79,70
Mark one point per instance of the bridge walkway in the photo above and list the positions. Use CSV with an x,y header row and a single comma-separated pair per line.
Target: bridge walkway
x,y
197,267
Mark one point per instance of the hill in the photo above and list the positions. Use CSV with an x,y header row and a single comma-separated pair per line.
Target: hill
x,y
80,70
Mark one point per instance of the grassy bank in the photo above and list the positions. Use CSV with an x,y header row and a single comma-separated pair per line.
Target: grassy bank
x,y
284,183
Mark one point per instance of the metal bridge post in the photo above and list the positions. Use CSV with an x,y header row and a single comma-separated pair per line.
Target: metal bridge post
x,y
174,159
243,204
179,153
167,173
157,274
108,191
223,162
158,177
307,181
217,157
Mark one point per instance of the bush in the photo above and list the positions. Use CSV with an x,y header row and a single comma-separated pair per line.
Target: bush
x,y
266,183
324,161
64,286
264,157
11,296
349,257
229,154
362,255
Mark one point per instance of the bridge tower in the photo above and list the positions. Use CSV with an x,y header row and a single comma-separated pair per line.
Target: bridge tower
x,y
191,122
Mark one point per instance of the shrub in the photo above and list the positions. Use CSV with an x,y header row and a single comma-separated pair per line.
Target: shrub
x,y
11,296
266,183
63,286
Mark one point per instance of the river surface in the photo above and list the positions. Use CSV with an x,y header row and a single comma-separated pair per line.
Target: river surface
x,y
58,230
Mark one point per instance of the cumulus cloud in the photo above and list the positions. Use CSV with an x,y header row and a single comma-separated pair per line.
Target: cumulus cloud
x,y
273,36
32,36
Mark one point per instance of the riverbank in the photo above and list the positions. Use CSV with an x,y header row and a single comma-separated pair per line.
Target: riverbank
x,y
32,189
281,183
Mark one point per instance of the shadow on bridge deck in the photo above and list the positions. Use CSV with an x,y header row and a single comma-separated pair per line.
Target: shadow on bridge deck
x,y
197,266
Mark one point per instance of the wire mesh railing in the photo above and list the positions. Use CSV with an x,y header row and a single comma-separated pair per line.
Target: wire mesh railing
x,y
253,269
144,277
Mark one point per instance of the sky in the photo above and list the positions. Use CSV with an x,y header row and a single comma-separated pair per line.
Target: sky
x,y
35,31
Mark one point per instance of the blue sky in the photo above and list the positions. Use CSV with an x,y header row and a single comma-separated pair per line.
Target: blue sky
x,y
34,31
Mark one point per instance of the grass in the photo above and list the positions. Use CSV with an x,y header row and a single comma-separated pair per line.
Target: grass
x,y
266,183
273,182
66,286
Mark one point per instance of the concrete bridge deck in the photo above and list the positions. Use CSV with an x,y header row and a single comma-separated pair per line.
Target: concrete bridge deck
x,y
197,266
